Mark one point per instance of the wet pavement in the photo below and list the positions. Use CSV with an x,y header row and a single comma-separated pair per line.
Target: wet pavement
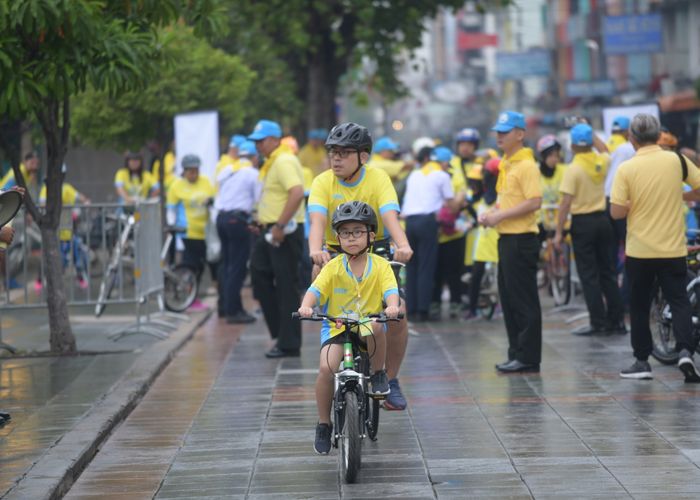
x,y
51,397
224,422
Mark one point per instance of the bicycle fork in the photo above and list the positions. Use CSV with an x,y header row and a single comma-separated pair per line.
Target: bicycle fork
x,y
344,382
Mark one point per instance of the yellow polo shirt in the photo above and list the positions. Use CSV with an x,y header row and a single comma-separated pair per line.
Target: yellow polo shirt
x,y
280,173
391,167
518,180
651,183
585,181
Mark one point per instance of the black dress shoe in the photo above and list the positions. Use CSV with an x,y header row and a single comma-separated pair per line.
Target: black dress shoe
x,y
516,366
616,329
276,352
240,318
499,365
587,331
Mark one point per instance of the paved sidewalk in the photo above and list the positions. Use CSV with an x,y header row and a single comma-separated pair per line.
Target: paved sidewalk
x,y
224,422
63,407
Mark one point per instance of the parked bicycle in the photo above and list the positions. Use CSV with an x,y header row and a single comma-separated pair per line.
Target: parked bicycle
x,y
355,411
180,285
664,349
555,273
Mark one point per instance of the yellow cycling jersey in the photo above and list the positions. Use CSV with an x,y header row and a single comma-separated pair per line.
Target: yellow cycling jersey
x,y
134,186
551,196
69,196
192,197
373,187
339,292
170,176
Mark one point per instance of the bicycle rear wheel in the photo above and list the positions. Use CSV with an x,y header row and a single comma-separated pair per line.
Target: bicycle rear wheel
x,y
559,269
350,455
180,288
664,343
372,420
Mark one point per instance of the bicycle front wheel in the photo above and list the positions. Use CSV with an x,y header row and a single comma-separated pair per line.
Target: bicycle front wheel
x,y
351,439
560,275
106,287
664,343
180,288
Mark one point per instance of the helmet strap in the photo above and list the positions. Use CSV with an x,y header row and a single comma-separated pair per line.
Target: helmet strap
x,y
359,166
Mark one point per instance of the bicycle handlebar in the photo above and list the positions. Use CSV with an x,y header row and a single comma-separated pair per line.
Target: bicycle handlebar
x,y
378,318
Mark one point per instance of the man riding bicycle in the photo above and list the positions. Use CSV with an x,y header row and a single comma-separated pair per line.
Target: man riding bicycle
x,y
349,146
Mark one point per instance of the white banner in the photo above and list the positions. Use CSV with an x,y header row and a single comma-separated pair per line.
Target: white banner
x,y
609,114
198,134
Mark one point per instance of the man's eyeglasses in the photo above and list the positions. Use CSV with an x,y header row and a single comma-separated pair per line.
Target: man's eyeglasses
x,y
357,233
342,153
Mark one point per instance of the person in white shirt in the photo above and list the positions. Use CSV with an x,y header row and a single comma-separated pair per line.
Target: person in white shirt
x,y
238,191
428,189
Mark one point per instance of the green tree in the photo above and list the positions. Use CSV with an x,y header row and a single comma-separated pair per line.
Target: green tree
x,y
49,51
318,41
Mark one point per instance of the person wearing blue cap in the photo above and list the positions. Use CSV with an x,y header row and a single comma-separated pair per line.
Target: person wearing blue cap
x,y
618,137
230,157
238,189
274,265
428,190
519,198
313,153
583,195
384,158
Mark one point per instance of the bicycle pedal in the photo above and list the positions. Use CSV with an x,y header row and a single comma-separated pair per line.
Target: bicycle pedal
x,y
378,397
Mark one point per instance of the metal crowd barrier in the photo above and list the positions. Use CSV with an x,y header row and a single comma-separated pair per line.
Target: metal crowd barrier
x,y
89,235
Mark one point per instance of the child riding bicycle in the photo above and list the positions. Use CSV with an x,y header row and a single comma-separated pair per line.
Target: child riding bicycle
x,y
353,283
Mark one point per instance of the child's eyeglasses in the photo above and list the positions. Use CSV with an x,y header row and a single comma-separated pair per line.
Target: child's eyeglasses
x,y
357,233
342,153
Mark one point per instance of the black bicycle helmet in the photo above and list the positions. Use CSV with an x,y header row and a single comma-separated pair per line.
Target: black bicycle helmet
x,y
191,161
354,211
350,135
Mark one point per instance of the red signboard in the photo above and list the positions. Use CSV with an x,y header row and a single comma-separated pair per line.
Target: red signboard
x,y
474,41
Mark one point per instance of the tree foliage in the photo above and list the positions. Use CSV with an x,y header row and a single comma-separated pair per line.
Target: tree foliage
x,y
51,50
192,75
319,41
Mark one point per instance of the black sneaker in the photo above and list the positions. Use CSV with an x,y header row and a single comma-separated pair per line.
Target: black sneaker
x,y
380,383
616,329
640,370
240,318
687,366
322,443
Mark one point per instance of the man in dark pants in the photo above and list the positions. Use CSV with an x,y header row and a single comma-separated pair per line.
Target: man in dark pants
x,y
428,189
519,198
583,194
274,266
648,190
237,192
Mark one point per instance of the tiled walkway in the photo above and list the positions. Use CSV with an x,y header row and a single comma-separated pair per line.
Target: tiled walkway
x,y
224,422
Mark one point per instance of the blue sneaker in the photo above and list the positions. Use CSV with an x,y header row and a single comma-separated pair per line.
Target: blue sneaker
x,y
395,399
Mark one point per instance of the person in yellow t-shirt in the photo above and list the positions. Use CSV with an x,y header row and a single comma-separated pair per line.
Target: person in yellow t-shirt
x,y
68,241
383,157
486,238
192,194
583,194
619,136
551,173
313,154
519,198
274,264
648,191
451,248
29,169
356,282
169,162
133,182
230,157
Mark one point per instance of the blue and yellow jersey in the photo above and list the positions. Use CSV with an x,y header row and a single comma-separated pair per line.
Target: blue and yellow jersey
x,y
169,161
192,197
373,187
134,186
9,181
69,196
339,292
